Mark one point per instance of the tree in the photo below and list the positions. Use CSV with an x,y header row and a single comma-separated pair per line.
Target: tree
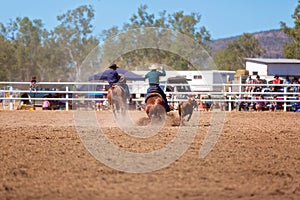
x,y
178,22
232,57
28,49
74,37
7,59
24,38
292,49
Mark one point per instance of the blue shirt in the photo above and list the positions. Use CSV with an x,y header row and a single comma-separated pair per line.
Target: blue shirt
x,y
111,75
154,75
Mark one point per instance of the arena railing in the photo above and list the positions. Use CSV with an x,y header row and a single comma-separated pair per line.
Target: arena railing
x,y
10,93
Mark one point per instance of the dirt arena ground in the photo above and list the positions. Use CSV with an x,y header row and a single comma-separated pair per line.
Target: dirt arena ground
x,y
257,156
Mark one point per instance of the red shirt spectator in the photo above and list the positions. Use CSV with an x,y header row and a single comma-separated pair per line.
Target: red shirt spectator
x,y
276,81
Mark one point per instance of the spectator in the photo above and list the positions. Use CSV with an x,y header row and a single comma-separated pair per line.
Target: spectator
x,y
273,105
295,88
236,103
249,87
33,84
105,104
276,81
46,105
98,104
287,81
260,104
243,104
257,81
209,102
296,105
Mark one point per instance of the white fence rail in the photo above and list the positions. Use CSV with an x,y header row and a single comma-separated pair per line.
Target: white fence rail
x,y
10,93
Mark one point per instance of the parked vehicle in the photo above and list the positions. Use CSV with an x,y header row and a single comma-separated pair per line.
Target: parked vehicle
x,y
42,92
177,84
176,89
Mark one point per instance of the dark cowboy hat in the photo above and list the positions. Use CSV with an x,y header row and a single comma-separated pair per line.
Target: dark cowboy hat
x,y
113,66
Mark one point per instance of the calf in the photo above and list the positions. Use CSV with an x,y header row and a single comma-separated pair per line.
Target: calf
x,y
185,108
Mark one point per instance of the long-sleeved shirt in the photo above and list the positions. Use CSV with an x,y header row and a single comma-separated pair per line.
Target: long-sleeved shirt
x,y
111,76
153,76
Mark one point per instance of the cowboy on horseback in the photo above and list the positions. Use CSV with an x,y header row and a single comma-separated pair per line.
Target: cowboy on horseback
x,y
114,78
112,75
153,78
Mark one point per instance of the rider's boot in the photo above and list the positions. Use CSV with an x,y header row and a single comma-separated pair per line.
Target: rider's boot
x,y
168,109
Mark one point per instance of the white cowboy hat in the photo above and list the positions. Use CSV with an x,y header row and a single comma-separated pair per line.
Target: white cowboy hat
x,y
153,67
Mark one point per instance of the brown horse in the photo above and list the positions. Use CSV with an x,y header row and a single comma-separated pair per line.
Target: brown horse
x,y
186,109
117,100
155,108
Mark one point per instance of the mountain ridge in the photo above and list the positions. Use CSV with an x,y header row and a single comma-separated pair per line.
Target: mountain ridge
x,y
272,41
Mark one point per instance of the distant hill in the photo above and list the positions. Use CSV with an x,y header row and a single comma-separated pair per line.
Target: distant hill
x,y
273,41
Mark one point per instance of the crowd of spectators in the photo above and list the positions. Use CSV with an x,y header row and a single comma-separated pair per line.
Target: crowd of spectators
x,y
260,97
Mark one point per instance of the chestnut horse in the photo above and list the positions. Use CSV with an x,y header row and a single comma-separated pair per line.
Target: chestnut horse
x,y
117,100
155,108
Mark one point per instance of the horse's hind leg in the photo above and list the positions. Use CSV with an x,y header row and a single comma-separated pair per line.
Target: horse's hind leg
x,y
114,108
190,115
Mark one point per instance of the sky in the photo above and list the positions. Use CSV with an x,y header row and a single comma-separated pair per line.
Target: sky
x,y
222,18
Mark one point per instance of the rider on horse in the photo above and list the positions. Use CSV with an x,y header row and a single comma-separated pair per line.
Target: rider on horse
x,y
153,78
112,75
114,78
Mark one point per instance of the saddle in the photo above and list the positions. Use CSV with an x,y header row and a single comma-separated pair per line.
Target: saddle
x,y
153,89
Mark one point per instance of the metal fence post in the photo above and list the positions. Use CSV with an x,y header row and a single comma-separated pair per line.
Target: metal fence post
x,y
11,98
67,96
229,102
284,98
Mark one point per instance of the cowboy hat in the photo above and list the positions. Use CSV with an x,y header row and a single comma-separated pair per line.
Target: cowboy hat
x,y
113,66
152,67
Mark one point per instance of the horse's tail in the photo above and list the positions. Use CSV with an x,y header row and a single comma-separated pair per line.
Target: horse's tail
x,y
118,90
157,107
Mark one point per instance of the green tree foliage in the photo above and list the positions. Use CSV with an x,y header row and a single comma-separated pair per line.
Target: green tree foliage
x,y
23,39
232,57
7,60
27,49
74,36
178,22
292,49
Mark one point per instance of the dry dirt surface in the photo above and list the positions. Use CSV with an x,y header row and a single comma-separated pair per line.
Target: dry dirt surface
x,y
257,156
